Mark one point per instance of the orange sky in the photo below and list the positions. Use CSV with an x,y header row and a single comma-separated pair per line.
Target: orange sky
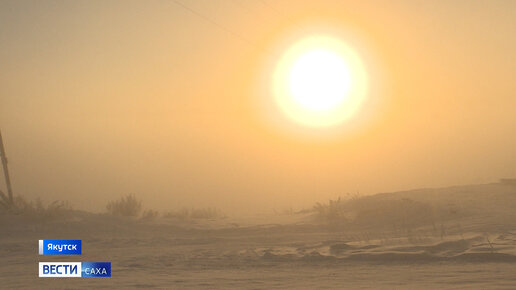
x,y
99,99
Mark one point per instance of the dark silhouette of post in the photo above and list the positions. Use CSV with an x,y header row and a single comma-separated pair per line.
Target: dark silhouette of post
x,y
9,199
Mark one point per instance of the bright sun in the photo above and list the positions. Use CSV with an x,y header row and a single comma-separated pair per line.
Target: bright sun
x,y
320,82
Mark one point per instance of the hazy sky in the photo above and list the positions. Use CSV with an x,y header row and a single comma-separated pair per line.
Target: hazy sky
x,y
103,98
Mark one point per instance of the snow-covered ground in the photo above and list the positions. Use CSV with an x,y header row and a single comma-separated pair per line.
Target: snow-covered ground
x,y
473,246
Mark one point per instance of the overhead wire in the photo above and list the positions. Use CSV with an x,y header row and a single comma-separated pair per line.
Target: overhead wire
x,y
220,26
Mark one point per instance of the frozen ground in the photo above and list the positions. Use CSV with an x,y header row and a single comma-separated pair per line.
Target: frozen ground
x,y
475,248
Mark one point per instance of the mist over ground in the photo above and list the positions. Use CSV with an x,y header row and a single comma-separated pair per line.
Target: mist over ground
x,y
99,100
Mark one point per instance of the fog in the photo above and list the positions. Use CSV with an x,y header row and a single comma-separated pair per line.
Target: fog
x,y
102,99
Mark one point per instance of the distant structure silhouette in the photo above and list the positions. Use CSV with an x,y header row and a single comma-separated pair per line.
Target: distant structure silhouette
x,y
6,201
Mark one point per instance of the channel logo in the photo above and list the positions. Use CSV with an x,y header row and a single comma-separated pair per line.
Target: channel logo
x,y
60,269
74,269
60,247
97,269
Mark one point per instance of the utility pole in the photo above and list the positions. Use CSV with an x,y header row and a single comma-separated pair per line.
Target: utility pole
x,y
9,199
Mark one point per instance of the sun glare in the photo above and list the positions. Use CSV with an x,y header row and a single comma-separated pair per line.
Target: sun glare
x,y
320,82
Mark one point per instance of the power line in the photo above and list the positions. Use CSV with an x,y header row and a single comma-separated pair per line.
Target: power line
x,y
220,26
